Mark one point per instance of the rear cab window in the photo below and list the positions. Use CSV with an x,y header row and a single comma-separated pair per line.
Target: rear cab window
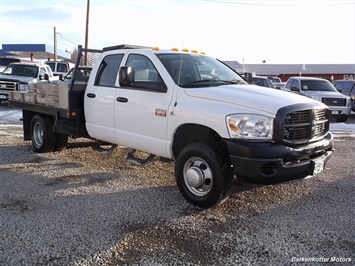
x,y
108,70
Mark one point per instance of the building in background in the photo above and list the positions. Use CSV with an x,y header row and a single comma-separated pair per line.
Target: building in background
x,y
285,71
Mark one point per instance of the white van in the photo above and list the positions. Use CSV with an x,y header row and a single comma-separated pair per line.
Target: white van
x,y
58,67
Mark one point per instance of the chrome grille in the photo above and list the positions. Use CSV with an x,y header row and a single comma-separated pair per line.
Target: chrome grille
x,y
8,85
319,114
334,101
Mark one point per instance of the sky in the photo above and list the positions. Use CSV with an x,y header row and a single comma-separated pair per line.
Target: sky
x,y
247,31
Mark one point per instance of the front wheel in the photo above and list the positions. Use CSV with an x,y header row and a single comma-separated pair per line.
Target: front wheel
x,y
202,175
42,135
342,118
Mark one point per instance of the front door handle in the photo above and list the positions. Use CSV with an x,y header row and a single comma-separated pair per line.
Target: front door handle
x,y
122,99
91,95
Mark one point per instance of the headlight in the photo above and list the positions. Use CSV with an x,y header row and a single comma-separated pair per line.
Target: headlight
x,y
24,87
250,126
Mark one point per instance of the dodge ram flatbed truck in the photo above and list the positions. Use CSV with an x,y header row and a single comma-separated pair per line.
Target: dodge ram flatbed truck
x,y
191,108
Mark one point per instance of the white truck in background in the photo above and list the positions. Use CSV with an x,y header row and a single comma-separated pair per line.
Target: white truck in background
x,y
188,107
323,91
22,77
59,68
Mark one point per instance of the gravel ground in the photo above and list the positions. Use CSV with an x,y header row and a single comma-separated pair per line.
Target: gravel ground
x,y
80,207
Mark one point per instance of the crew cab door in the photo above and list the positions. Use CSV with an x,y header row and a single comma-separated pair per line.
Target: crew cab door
x,y
142,107
99,104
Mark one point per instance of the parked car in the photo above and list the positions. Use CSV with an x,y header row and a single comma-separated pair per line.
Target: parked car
x,y
347,87
275,79
322,90
58,67
277,82
262,81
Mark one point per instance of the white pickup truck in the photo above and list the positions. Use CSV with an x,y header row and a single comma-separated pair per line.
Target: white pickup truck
x,y
322,90
22,77
191,108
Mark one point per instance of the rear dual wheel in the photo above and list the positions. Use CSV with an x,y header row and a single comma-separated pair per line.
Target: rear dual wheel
x,y
44,139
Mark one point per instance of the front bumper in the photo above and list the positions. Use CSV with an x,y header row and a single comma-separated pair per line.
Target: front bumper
x,y
273,163
4,95
339,111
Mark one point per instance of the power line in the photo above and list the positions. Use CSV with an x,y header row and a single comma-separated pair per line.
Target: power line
x,y
25,23
66,39
283,2
67,44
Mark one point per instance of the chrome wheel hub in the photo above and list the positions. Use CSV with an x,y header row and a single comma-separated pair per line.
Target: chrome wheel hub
x,y
198,176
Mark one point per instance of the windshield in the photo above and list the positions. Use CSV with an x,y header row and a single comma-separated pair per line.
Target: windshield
x,y
264,82
274,79
317,85
21,70
194,70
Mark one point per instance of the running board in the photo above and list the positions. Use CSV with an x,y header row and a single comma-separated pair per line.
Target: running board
x,y
97,147
141,162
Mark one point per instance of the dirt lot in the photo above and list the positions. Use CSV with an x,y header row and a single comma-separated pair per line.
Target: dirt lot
x,y
79,207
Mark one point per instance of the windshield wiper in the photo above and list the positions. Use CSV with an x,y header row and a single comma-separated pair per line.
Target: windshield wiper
x,y
233,81
204,81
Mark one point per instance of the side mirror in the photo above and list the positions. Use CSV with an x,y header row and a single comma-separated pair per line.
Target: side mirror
x,y
295,89
248,77
126,76
61,77
46,76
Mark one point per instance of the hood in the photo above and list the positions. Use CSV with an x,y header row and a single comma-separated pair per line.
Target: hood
x,y
16,78
250,96
320,94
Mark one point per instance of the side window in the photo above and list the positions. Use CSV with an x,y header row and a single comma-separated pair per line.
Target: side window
x,y
344,86
352,93
146,75
288,84
61,67
107,73
51,65
295,84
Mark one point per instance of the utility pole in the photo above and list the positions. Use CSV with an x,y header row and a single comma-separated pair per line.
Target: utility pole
x,y
55,44
87,31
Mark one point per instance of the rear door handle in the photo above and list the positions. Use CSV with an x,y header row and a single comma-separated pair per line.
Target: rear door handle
x,y
91,95
122,99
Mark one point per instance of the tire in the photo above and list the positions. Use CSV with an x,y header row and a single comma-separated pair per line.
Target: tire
x,y
342,118
210,178
61,141
42,135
